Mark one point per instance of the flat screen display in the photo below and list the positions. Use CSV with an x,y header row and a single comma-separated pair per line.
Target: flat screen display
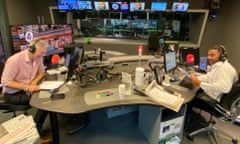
x,y
55,35
67,5
84,5
158,6
1,48
137,6
101,5
180,6
119,6
170,61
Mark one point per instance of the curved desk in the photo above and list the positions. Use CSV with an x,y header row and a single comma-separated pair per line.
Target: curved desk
x,y
74,103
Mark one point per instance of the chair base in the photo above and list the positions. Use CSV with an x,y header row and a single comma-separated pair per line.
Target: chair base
x,y
211,129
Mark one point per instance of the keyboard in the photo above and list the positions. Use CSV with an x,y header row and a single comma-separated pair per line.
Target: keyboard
x,y
186,82
179,88
164,97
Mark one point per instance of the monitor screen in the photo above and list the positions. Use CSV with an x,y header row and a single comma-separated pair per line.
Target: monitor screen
x,y
55,35
101,5
170,61
67,5
180,6
84,5
203,63
119,6
76,54
170,46
189,56
137,6
158,6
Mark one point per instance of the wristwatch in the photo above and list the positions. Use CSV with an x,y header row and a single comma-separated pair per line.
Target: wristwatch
x,y
26,89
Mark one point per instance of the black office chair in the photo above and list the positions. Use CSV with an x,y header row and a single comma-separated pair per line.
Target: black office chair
x,y
6,107
153,43
228,109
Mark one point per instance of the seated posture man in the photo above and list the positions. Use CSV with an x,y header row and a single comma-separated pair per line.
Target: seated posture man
x,y
21,75
217,81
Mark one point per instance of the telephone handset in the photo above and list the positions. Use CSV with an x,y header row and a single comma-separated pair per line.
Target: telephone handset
x,y
157,74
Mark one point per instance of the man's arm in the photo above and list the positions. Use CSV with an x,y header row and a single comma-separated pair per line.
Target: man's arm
x,y
38,78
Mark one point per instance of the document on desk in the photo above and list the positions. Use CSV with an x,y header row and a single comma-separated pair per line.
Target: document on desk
x,y
51,85
171,100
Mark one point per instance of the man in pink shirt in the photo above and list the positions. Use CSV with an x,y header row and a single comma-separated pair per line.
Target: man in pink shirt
x,y
21,75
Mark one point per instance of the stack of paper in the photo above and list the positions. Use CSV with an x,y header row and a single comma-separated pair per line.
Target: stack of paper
x,y
171,100
20,130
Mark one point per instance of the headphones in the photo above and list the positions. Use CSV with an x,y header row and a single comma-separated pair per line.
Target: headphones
x,y
32,47
223,52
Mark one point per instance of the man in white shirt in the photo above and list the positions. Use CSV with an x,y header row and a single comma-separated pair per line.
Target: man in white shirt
x,y
219,79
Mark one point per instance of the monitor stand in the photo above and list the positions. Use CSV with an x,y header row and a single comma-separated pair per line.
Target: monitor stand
x,y
166,81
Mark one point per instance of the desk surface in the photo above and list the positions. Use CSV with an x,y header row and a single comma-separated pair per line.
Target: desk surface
x,y
74,101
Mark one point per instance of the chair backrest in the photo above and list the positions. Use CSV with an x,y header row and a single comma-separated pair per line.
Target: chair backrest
x,y
228,100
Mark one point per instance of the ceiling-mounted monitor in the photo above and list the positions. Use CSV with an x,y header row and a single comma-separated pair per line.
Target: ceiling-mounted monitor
x,y
119,6
180,6
101,5
158,6
66,5
137,6
84,5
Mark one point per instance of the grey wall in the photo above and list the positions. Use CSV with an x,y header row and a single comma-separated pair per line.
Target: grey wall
x,y
225,30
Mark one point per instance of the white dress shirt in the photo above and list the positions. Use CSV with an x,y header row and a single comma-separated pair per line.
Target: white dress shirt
x,y
219,79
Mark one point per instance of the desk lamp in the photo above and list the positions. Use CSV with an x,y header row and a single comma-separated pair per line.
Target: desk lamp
x,y
140,49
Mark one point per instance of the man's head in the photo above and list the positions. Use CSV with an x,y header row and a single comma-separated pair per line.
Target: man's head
x,y
216,53
37,48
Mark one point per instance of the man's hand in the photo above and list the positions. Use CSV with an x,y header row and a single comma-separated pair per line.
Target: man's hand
x,y
195,80
33,88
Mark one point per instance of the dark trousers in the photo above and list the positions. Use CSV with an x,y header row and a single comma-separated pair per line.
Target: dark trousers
x,y
21,98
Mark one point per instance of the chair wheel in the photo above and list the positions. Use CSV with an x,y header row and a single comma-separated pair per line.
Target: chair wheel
x,y
190,137
234,141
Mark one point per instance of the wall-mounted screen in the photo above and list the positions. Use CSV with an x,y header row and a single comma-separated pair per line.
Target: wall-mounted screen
x,y
137,6
67,5
55,35
158,6
103,5
119,6
84,5
180,6
1,48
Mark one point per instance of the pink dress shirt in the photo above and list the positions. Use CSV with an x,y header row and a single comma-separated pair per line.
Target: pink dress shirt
x,y
21,69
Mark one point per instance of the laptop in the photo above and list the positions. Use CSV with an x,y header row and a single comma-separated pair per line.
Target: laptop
x,y
202,68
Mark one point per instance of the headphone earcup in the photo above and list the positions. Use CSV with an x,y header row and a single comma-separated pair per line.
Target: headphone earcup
x,y
32,49
223,56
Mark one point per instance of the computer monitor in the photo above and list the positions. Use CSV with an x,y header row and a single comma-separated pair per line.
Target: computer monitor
x,y
158,6
66,5
203,64
170,46
103,5
56,35
76,53
189,56
170,62
137,6
84,5
180,6
119,6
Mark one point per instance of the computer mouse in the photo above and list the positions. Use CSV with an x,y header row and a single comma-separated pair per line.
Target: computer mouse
x,y
174,79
